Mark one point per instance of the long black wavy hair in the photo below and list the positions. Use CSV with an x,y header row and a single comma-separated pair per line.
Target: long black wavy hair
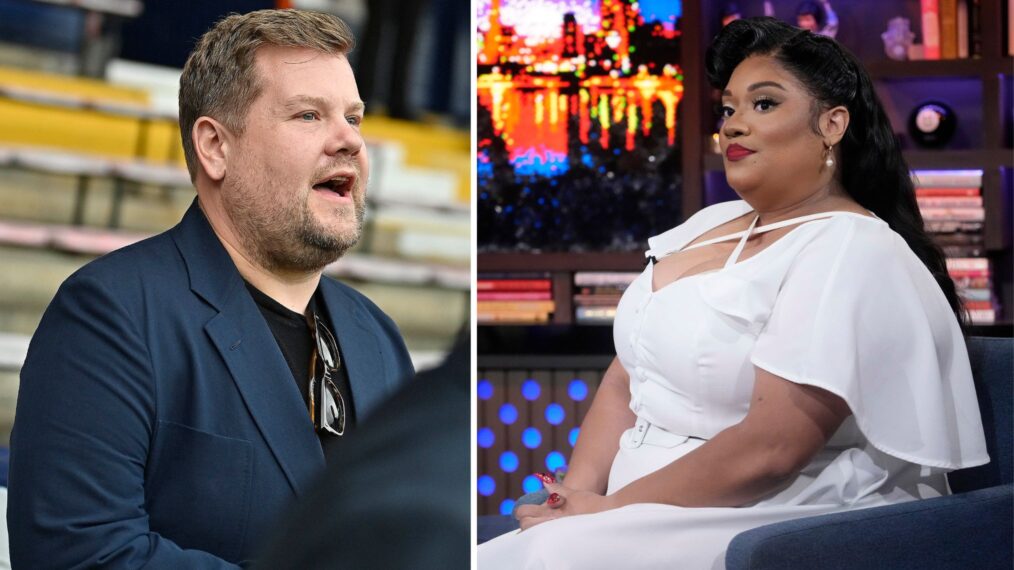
x,y
873,170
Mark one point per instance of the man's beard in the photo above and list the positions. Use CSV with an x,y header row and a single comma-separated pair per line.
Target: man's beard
x,y
287,236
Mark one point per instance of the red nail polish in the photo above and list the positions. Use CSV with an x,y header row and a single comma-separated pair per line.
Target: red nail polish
x,y
546,478
553,499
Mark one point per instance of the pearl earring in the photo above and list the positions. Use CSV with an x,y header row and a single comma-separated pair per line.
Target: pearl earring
x,y
830,160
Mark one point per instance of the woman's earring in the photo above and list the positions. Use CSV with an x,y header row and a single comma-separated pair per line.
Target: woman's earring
x,y
830,157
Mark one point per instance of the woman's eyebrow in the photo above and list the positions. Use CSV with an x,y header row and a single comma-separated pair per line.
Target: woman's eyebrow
x,y
757,86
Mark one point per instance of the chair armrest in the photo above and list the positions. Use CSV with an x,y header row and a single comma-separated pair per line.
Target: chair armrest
x,y
492,526
967,530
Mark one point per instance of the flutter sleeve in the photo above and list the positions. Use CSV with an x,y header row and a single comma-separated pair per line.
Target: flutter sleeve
x,y
859,315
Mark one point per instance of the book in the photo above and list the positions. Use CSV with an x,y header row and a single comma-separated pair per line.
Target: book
x,y
966,282
975,28
957,274
961,214
963,250
589,315
978,305
1010,27
489,275
591,278
513,317
961,263
516,306
982,316
976,294
947,178
930,29
513,285
599,300
949,226
948,28
962,29
514,296
930,192
950,202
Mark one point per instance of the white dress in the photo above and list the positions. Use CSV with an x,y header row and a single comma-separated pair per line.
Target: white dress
x,y
839,302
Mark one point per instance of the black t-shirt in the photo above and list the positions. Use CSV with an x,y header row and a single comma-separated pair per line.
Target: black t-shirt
x,y
294,336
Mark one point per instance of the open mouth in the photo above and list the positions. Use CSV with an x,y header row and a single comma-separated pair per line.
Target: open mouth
x,y
339,185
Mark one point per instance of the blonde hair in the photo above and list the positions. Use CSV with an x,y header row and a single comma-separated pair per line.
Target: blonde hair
x,y
220,78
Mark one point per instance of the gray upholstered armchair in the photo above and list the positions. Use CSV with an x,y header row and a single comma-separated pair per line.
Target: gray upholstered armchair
x,y
970,529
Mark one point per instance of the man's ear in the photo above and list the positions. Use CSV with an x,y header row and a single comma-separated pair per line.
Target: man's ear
x,y
212,144
833,124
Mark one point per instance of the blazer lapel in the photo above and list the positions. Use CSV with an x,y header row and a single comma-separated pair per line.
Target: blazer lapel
x,y
361,355
250,352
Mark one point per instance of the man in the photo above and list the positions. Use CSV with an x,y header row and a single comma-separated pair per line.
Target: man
x,y
178,392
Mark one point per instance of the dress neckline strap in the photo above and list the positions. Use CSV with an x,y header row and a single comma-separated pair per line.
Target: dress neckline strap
x,y
745,234
742,242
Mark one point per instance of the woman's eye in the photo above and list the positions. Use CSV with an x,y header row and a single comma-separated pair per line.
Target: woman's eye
x,y
765,104
726,112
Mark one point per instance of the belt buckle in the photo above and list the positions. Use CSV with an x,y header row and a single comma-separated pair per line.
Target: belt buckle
x,y
639,431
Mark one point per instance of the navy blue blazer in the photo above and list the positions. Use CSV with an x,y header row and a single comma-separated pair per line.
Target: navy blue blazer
x,y
157,424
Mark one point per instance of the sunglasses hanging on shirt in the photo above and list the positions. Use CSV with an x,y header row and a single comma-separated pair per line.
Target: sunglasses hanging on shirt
x,y
327,407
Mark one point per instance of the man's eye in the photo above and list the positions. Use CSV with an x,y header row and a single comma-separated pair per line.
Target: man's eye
x,y
309,116
354,120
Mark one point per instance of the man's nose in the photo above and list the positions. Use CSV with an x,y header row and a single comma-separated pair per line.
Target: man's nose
x,y
345,139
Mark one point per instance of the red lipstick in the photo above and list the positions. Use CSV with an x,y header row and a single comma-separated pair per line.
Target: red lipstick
x,y
737,152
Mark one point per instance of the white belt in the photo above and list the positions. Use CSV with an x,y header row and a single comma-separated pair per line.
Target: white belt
x,y
647,433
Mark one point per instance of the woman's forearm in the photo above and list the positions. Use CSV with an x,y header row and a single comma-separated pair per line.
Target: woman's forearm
x,y
606,420
730,470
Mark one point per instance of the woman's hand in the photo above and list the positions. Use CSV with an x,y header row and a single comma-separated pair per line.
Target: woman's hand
x,y
562,502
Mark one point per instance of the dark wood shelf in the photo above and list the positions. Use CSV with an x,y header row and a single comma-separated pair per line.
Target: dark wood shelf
x,y
963,159
976,68
528,262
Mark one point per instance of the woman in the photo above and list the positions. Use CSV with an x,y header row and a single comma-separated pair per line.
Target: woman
x,y
795,353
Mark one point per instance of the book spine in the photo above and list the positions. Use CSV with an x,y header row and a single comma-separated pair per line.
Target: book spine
x,y
593,278
947,179
1010,27
963,29
957,274
958,214
948,29
595,312
930,29
513,285
514,296
949,201
962,263
933,192
975,28
516,306
982,317
979,294
596,300
520,318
